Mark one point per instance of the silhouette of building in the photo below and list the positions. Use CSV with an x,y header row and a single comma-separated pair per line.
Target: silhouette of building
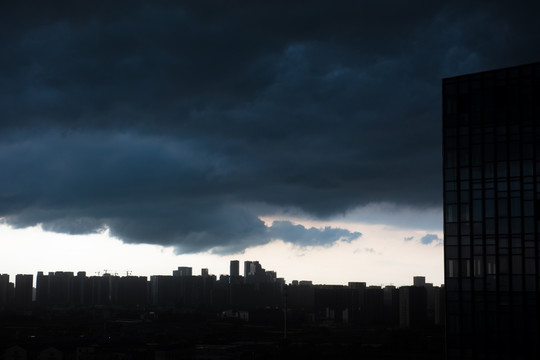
x,y
23,290
413,306
4,286
235,268
183,271
132,291
61,287
491,123
391,306
419,280
42,288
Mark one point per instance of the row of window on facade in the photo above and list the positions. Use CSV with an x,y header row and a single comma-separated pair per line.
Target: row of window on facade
x,y
523,131
465,196
500,170
479,266
500,134
502,190
489,245
502,283
476,156
504,226
490,208
491,317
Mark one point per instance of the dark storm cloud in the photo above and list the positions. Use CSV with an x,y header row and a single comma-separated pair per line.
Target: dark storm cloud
x,y
182,124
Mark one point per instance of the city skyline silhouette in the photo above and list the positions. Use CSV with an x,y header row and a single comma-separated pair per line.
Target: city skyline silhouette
x,y
338,143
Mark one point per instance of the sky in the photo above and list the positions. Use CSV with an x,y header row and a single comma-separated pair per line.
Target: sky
x,y
145,135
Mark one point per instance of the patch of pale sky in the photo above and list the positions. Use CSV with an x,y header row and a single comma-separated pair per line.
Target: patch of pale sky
x,y
379,256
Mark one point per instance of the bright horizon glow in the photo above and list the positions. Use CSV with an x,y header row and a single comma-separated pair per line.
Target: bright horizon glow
x,y
380,256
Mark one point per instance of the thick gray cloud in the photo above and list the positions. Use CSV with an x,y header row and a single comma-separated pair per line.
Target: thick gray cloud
x,y
181,124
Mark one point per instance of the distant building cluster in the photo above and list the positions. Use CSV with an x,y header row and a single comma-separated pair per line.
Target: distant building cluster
x,y
233,295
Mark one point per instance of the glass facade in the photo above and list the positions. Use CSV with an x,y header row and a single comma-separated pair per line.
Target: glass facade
x,y
491,160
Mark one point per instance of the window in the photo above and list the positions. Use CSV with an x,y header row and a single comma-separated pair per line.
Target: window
x,y
515,149
452,268
530,266
465,230
491,265
450,240
450,185
450,106
528,208
488,170
477,210
466,268
515,207
463,156
450,158
451,213
516,226
516,265
450,175
490,226
515,168
527,168
476,155
490,208
503,264
452,251
501,169
464,173
478,266
528,225
451,197
465,213
450,229
501,152
502,208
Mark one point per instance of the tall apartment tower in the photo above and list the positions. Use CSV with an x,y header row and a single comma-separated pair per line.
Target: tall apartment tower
x,y
183,271
23,290
248,268
4,286
491,142
235,268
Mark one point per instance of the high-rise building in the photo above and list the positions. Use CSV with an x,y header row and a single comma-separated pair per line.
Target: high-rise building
x,y
183,271
249,268
235,268
23,290
4,285
419,280
491,132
